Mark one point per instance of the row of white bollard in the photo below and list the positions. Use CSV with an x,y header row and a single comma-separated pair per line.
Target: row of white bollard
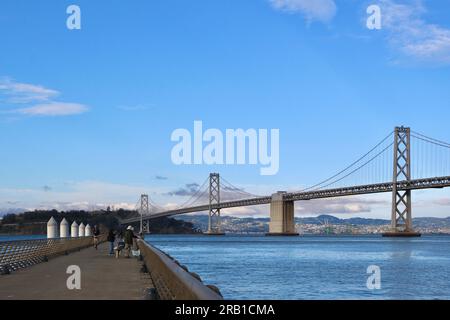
x,y
75,229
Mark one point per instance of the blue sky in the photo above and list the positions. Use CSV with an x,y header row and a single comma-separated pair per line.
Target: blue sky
x,y
86,115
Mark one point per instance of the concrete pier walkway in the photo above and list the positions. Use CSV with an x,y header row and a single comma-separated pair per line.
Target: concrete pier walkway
x,y
103,277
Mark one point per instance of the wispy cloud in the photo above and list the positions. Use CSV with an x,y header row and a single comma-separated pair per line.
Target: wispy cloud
x,y
227,193
338,206
35,100
91,195
312,10
161,177
84,205
188,190
350,206
412,35
85,195
442,202
53,109
16,92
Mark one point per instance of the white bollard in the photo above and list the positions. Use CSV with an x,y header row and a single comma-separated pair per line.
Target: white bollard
x,y
64,229
52,229
74,230
88,231
81,230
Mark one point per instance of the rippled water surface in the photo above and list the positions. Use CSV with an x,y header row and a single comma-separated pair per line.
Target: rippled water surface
x,y
314,267
21,237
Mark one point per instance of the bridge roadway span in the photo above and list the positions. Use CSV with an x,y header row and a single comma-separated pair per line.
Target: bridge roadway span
x,y
418,184
103,277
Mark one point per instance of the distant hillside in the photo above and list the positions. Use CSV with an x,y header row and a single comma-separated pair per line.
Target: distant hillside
x,y
334,220
261,225
35,222
5,211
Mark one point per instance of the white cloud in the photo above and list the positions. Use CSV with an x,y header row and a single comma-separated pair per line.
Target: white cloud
x,y
253,211
412,35
17,92
74,195
351,205
89,195
442,202
53,109
92,195
84,205
35,100
320,10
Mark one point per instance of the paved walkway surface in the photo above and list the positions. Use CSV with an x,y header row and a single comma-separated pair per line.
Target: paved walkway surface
x,y
103,277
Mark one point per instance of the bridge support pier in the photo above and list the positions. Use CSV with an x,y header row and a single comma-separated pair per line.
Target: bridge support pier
x,y
281,216
401,216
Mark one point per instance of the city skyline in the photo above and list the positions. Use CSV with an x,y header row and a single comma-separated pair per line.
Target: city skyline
x,y
86,115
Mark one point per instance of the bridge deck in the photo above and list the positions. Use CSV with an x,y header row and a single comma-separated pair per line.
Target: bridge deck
x,y
102,277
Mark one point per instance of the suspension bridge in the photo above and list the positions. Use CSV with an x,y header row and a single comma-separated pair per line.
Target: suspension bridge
x,y
403,161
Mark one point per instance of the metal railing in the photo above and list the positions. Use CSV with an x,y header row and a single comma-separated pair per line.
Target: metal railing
x,y
172,280
15,255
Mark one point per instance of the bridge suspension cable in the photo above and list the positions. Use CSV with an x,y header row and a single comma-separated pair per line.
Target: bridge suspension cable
x,y
431,156
356,166
154,205
199,194
431,140
234,193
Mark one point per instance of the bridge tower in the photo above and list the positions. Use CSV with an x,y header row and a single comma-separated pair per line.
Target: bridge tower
x,y
143,210
214,209
282,221
401,216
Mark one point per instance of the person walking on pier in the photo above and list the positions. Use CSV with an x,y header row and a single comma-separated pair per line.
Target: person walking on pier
x,y
111,238
129,238
96,235
120,243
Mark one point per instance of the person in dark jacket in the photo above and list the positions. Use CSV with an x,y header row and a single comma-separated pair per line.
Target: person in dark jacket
x,y
128,237
111,238
96,235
